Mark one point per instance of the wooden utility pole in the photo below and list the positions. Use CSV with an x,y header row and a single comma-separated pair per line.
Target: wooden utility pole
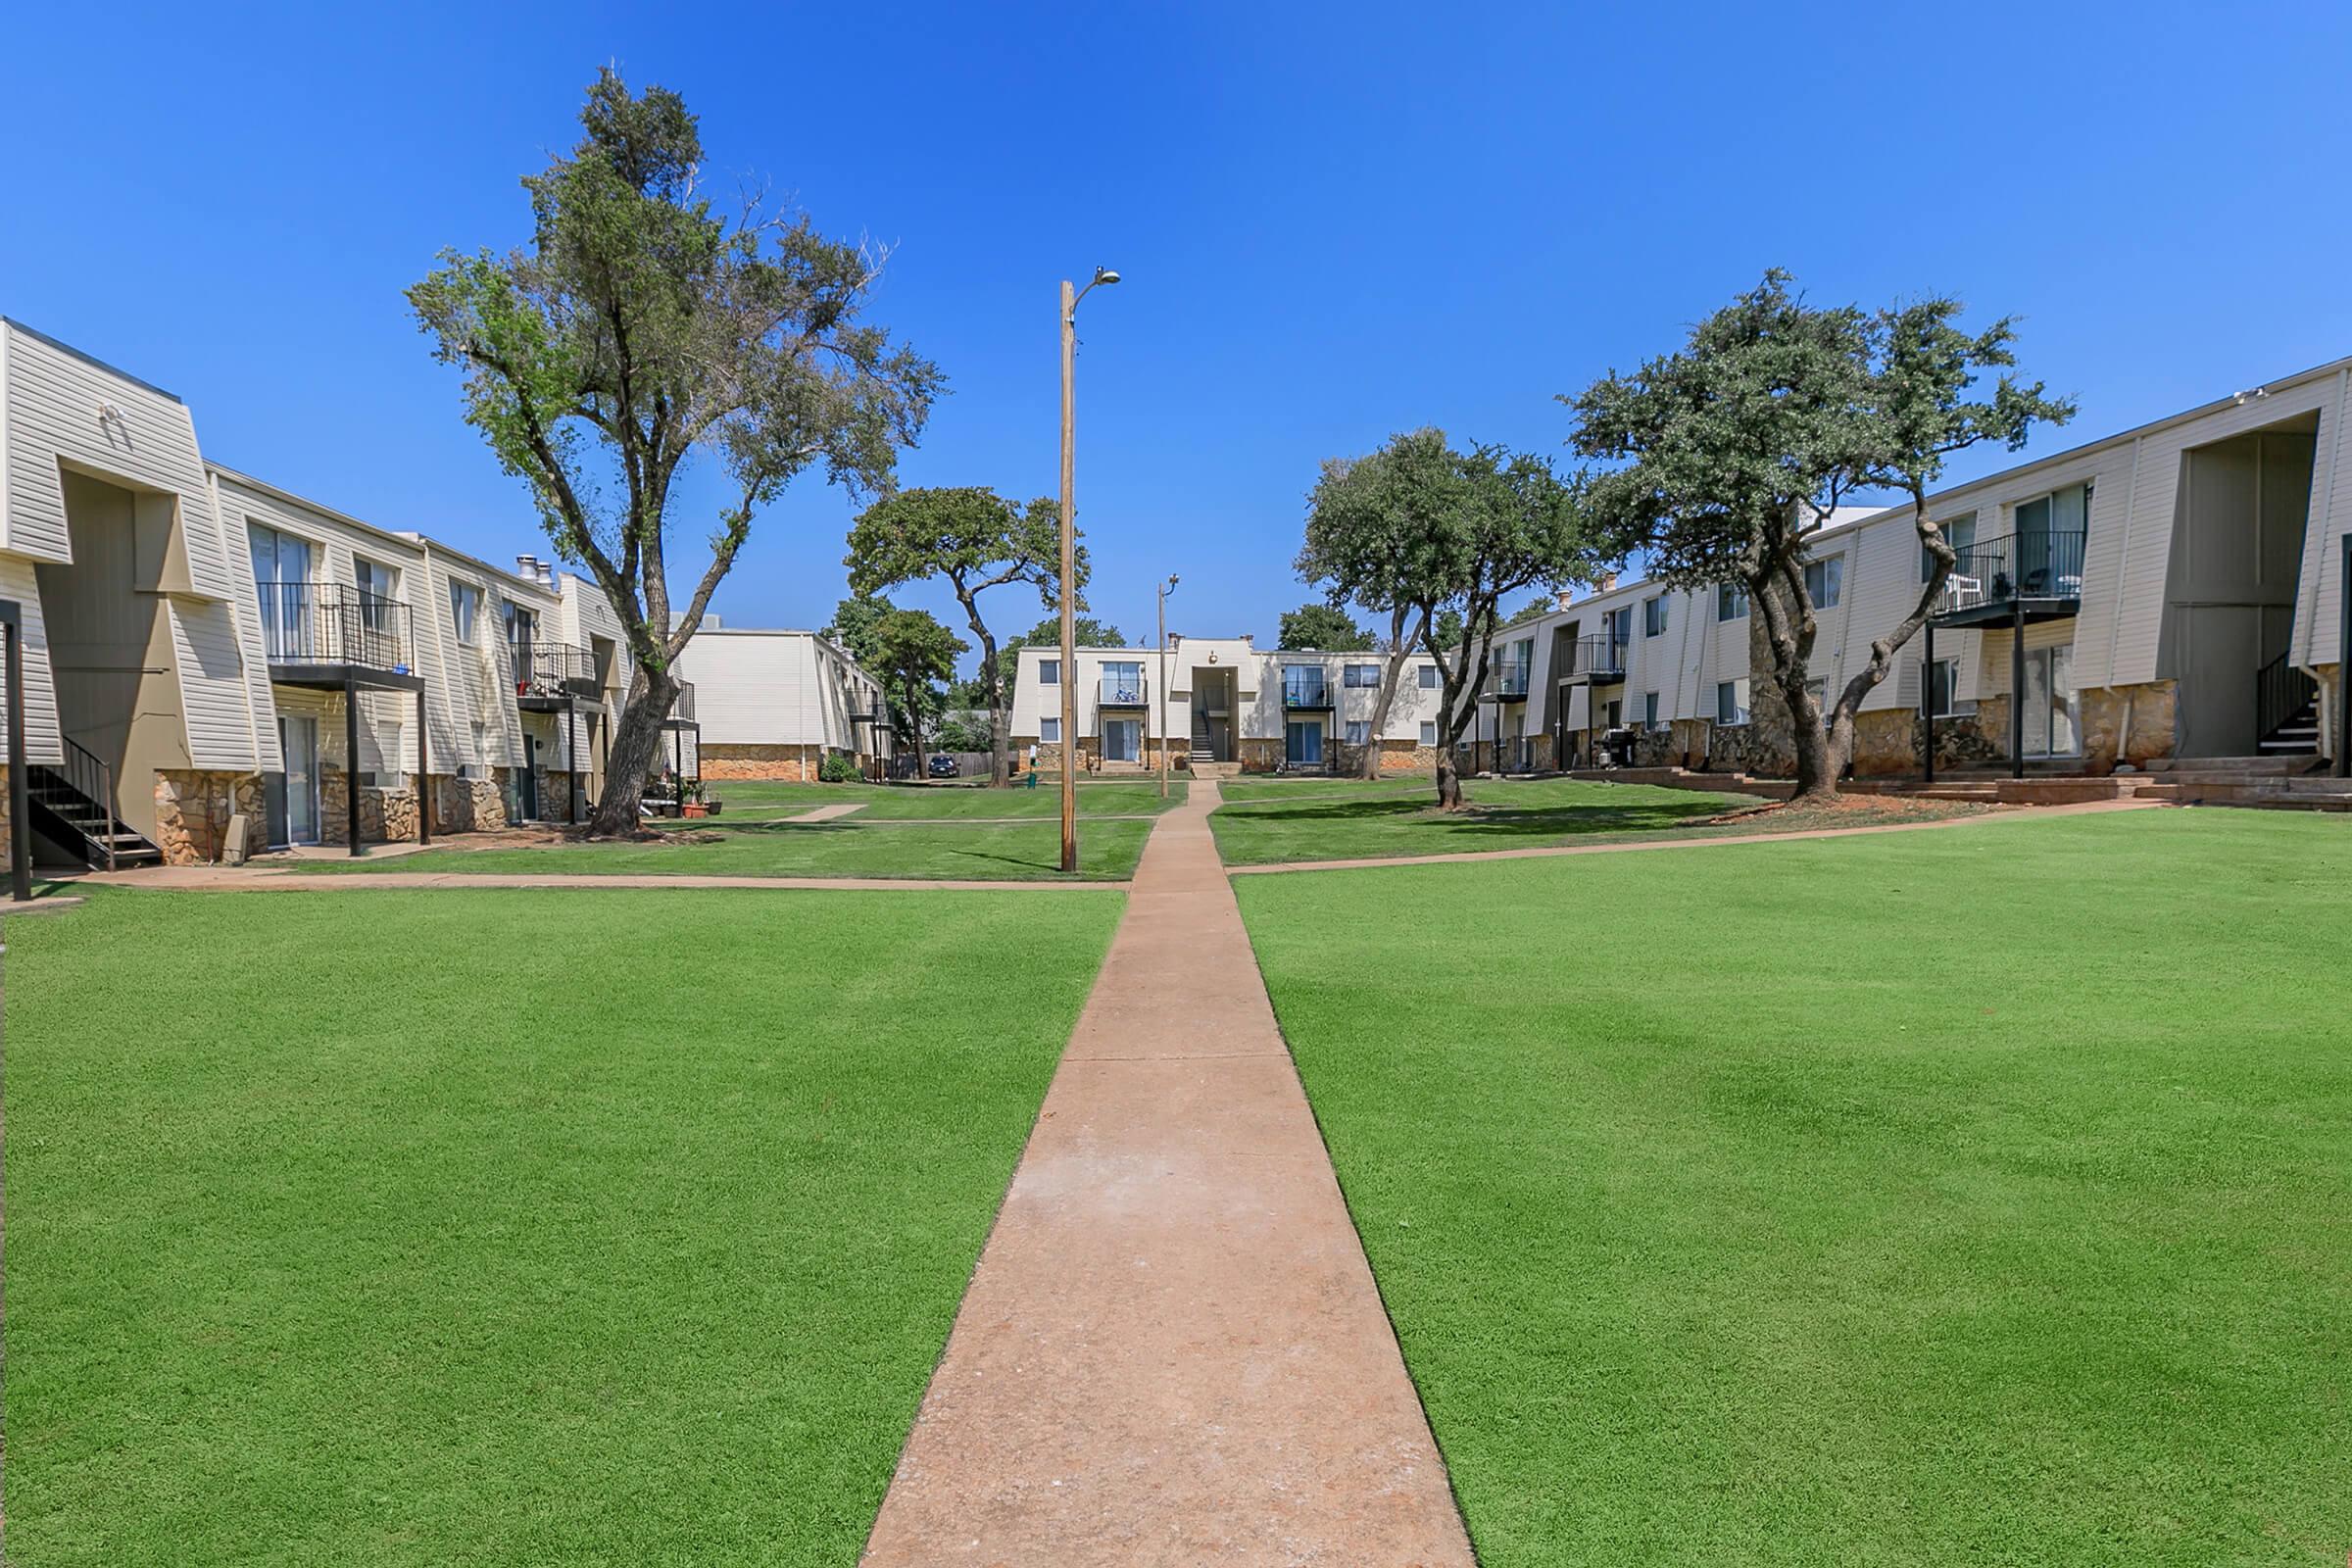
x,y
1165,589
1069,599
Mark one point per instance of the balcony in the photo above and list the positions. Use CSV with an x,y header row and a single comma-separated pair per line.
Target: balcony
x,y
327,636
1123,691
1509,683
548,675
1308,690
1598,659
681,711
2018,577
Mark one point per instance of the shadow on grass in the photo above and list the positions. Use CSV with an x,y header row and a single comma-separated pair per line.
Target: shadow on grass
x,y
1496,821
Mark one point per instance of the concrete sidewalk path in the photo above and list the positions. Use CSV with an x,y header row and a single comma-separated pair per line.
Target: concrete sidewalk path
x,y
1172,1350
250,879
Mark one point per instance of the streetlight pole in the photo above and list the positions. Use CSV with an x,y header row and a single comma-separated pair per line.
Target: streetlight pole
x,y
1069,551
1165,589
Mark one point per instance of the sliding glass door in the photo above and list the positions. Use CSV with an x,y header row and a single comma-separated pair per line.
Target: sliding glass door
x,y
1302,743
1122,740
2051,711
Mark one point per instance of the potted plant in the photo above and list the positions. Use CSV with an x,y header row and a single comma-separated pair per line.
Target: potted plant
x,y
690,797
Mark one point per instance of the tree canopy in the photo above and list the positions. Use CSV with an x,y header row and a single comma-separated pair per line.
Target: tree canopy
x,y
1422,530
1724,456
975,540
915,656
641,329
1322,626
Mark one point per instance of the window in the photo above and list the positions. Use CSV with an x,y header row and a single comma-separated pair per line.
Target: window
x,y
477,767
1429,732
1961,534
386,773
1122,683
1360,676
1649,710
281,583
1825,580
1943,688
1049,730
376,588
1654,615
465,602
1429,680
1049,673
1731,601
1730,702
1359,732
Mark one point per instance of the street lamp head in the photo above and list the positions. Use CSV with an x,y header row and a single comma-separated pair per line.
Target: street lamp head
x,y
1104,274
1171,582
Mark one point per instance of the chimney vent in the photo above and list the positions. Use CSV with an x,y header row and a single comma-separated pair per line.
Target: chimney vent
x,y
1608,583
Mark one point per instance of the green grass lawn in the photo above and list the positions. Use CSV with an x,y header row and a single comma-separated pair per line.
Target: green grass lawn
x,y
504,1227
1122,798
1976,1197
1334,819
1108,850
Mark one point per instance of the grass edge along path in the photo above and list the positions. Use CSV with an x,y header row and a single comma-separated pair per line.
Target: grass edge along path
x,y
502,1226
2001,1214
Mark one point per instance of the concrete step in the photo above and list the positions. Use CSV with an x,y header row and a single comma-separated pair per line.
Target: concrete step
x,y
2231,764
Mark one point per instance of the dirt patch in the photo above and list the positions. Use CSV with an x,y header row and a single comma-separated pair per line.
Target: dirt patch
x,y
1845,811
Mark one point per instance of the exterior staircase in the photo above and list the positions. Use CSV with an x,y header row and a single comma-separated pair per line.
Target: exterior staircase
x,y
73,807
2298,736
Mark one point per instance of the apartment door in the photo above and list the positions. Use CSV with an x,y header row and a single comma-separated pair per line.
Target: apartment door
x,y
281,582
529,782
1122,740
1302,743
298,739
2049,706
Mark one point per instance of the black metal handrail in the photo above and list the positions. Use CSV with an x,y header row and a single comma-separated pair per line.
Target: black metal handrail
x,y
1597,657
1305,688
549,669
1122,691
315,624
2018,565
94,781
2280,692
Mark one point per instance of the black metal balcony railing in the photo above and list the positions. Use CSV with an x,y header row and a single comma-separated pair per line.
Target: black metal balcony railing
x,y
683,708
1599,657
1510,680
2018,565
1122,691
553,669
315,624
1305,688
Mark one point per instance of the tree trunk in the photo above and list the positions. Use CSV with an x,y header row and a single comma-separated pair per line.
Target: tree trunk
x,y
1449,781
999,741
1400,646
1882,650
636,751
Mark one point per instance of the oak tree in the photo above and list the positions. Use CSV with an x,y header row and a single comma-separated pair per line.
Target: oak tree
x,y
642,330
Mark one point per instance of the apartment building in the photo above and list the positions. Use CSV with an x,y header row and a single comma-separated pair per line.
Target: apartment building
x,y
1221,702
2168,592
200,645
775,705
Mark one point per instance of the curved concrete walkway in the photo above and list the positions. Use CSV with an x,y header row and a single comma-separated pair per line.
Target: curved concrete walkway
x,y
1172,1350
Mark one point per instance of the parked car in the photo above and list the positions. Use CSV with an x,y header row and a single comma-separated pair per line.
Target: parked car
x,y
943,766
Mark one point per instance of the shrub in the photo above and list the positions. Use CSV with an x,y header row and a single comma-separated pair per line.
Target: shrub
x,y
837,769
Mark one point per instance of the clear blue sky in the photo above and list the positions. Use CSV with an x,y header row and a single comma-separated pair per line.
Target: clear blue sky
x,y
1335,223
